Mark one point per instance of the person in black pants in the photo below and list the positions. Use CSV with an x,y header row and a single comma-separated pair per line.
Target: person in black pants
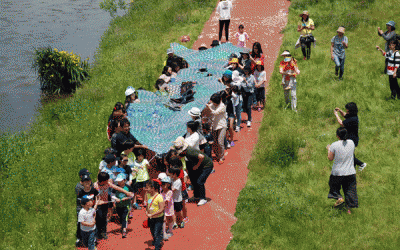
x,y
351,124
224,10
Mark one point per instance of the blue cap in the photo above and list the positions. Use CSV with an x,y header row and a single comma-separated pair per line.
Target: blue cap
x,y
391,23
228,74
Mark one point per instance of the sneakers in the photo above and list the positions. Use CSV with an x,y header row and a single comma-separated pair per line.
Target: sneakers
x,y
228,145
182,225
202,202
77,243
213,171
175,226
232,144
237,129
123,234
360,168
339,202
249,124
259,109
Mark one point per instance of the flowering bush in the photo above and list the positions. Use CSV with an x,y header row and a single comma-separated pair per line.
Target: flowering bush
x,y
59,71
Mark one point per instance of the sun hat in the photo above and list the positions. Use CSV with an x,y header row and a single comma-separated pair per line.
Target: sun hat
x,y
129,91
170,51
286,53
304,13
234,60
245,51
180,144
120,177
258,62
86,177
166,179
228,74
194,111
391,23
214,43
84,171
162,176
341,30
233,55
86,198
203,46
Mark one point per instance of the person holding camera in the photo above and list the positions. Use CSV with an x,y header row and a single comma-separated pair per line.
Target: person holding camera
x,y
388,35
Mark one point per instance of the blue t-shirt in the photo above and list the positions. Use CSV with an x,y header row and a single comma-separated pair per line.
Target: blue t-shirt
x,y
338,48
111,172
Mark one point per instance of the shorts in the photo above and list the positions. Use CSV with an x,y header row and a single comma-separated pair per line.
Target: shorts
x,y
178,206
185,195
231,115
260,94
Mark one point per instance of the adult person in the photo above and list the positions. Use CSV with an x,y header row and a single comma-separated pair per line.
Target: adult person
x,y
338,45
155,212
172,58
131,96
124,140
224,9
343,174
393,61
351,124
199,167
166,74
118,113
256,54
244,59
219,125
289,70
305,27
388,35
192,138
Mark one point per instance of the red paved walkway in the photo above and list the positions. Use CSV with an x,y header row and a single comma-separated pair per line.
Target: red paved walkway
x,y
209,225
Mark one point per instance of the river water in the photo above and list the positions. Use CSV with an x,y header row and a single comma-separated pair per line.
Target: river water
x,y
27,24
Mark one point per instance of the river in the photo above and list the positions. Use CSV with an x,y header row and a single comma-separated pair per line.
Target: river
x,y
28,24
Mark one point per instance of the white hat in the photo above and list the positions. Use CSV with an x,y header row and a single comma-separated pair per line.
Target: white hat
x,y
166,179
170,51
194,111
129,91
162,176
120,177
180,144
285,53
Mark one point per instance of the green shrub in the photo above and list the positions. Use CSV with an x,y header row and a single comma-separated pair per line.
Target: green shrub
x,y
59,71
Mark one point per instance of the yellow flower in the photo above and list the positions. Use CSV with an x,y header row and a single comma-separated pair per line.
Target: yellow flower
x,y
80,69
47,65
52,76
55,50
52,65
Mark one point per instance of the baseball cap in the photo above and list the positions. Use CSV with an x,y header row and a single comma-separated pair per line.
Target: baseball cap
x,y
84,171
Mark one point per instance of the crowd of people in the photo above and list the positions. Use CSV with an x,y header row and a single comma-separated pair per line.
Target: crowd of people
x,y
124,180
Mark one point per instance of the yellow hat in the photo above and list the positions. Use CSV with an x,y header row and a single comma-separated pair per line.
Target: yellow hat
x,y
234,60
304,13
341,30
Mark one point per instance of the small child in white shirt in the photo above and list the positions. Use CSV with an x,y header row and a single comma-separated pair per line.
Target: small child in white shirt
x,y
241,37
87,219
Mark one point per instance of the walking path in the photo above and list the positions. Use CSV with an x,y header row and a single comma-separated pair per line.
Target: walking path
x,y
209,226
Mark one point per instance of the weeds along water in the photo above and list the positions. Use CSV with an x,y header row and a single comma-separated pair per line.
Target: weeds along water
x,y
284,204
38,168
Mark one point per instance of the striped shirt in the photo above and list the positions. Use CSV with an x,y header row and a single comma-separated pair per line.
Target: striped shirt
x,y
393,58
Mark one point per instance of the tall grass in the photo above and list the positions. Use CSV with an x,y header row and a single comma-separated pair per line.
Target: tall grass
x,y
39,168
284,204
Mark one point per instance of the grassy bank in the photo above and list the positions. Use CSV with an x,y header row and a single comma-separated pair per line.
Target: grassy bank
x,y
284,204
39,167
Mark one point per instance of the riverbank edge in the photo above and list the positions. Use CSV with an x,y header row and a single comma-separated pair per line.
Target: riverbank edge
x,y
69,134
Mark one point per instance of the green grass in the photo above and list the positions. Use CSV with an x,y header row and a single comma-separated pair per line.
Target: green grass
x,y
284,204
39,168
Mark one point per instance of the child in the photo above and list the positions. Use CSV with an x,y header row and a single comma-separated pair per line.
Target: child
x,y
210,139
175,162
131,96
237,102
103,185
169,206
122,203
177,196
242,37
87,219
155,212
248,87
261,79
103,164
78,188
111,167
140,166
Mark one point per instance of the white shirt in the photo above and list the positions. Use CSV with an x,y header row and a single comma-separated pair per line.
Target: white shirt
x,y
260,77
224,10
87,216
193,140
343,163
177,186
